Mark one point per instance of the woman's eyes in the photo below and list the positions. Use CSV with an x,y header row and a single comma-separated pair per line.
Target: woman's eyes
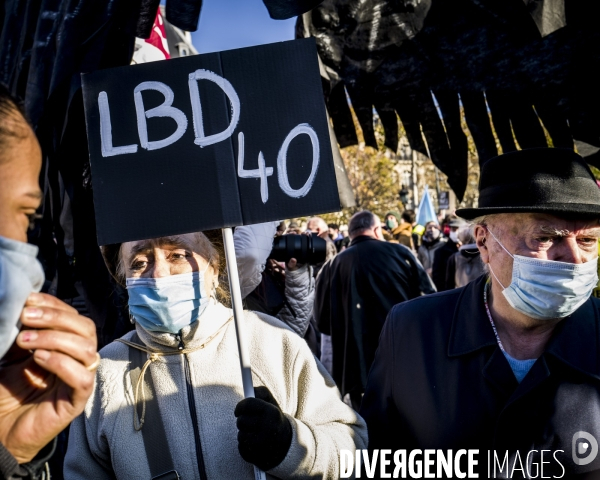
x,y
179,255
139,264
544,241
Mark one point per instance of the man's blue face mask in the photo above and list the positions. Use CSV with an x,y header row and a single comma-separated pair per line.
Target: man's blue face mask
x,y
547,289
167,304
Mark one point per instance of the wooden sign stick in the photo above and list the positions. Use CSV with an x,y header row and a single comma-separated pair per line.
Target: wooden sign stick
x,y
238,318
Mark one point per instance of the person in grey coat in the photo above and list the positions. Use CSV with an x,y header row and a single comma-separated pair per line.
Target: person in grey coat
x,y
432,240
292,284
465,265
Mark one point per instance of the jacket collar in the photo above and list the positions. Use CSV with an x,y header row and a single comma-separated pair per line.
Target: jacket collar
x,y
575,341
405,227
472,247
362,238
212,319
431,243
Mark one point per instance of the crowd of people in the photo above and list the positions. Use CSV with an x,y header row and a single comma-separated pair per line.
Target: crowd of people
x,y
354,350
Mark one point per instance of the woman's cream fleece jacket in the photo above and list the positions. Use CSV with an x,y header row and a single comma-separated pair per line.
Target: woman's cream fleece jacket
x,y
103,443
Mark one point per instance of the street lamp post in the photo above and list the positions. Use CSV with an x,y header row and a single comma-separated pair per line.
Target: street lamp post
x,y
415,189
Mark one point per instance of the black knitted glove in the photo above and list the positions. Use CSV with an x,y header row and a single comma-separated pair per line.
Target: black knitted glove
x,y
264,433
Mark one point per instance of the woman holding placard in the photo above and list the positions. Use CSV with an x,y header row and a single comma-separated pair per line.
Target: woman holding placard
x,y
185,391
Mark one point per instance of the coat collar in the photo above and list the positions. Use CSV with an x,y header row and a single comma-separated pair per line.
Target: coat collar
x,y
430,243
403,228
575,342
362,238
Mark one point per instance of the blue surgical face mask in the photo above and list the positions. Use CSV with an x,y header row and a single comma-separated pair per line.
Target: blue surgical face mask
x,y
167,304
20,274
547,289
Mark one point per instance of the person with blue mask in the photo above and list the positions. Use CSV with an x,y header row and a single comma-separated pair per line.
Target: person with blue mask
x,y
508,363
184,329
47,351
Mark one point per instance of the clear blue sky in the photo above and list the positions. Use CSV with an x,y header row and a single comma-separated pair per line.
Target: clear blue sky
x,y
227,24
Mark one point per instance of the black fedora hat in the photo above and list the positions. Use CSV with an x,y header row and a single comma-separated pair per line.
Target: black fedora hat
x,y
546,180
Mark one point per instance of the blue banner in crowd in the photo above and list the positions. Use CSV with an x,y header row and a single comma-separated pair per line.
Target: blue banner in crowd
x,y
426,212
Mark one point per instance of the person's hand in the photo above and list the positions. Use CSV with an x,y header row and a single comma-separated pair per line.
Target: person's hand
x,y
264,433
276,267
292,264
42,392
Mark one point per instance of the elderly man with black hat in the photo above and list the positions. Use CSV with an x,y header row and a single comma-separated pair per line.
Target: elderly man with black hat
x,y
508,365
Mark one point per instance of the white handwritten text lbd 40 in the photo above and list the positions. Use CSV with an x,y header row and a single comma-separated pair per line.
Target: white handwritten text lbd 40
x,y
166,109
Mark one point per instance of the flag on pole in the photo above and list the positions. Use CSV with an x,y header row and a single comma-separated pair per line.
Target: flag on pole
x,y
426,212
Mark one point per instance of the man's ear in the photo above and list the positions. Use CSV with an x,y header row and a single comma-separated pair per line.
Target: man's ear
x,y
378,232
480,233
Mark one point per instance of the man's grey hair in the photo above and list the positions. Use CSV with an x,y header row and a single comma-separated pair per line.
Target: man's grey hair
x,y
322,223
362,221
482,220
465,235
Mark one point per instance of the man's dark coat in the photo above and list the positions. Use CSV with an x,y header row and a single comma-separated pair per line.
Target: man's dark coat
x,y
440,381
440,264
354,293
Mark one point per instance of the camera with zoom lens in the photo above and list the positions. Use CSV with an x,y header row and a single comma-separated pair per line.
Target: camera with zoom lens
x,y
309,249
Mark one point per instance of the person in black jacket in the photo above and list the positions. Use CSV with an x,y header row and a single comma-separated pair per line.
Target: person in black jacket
x,y
507,364
465,265
354,293
442,254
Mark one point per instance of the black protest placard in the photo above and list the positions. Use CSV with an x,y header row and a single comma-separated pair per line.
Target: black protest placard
x,y
444,201
209,141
